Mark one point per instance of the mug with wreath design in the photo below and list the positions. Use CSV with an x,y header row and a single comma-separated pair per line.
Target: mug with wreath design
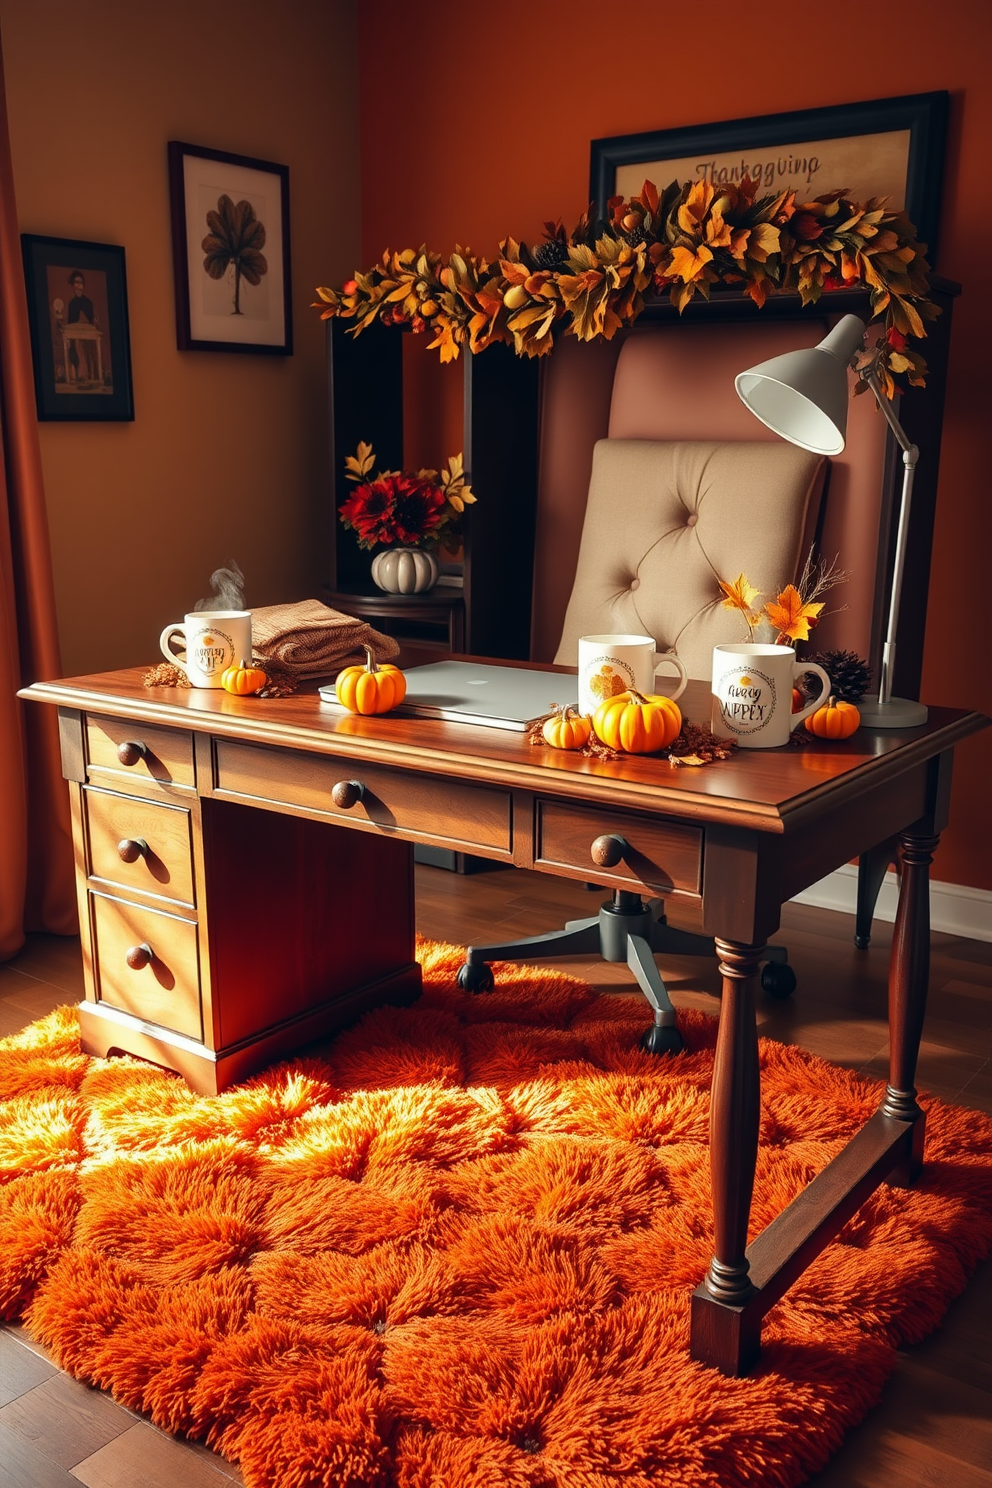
x,y
752,693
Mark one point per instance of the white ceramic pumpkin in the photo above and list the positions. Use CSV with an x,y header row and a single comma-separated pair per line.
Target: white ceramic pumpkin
x,y
405,570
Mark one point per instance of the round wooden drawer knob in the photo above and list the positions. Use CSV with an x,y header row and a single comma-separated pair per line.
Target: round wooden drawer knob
x,y
608,851
131,849
347,793
130,751
139,956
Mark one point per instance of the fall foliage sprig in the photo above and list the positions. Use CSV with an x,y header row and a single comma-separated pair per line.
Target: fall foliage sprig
x,y
420,508
793,612
679,242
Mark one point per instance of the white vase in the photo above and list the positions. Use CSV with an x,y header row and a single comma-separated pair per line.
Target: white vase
x,y
405,570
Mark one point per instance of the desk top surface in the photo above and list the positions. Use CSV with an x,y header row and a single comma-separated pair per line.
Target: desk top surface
x,y
766,789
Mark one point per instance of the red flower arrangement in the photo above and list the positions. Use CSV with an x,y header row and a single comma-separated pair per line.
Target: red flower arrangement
x,y
400,508
394,509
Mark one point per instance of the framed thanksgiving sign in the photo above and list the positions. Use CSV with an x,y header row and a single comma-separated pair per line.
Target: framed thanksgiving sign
x,y
230,240
891,147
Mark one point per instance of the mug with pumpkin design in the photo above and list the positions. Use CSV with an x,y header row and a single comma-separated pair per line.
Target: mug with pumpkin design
x,y
752,693
213,640
611,664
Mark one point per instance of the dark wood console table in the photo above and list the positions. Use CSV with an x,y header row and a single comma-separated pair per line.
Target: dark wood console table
x,y
441,610
234,856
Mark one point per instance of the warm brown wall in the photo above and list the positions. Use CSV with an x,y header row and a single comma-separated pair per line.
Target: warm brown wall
x,y
502,143
226,456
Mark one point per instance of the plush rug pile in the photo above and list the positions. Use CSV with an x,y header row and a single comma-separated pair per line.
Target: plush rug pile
x,y
457,1251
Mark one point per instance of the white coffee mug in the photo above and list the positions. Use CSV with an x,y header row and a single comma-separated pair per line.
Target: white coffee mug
x,y
213,640
609,664
752,693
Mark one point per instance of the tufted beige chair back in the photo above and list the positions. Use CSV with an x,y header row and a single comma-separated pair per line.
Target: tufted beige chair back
x,y
664,521
670,385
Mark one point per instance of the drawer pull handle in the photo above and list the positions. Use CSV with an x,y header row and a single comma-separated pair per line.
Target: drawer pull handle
x,y
130,751
607,851
347,793
139,956
131,849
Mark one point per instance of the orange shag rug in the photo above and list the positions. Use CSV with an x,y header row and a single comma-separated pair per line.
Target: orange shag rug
x,y
457,1251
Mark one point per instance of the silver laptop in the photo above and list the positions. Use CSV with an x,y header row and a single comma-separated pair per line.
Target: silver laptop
x,y
471,692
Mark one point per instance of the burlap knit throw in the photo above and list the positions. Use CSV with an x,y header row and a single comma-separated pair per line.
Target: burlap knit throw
x,y
311,640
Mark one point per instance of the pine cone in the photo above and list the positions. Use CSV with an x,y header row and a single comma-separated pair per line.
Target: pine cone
x,y
634,237
849,673
550,255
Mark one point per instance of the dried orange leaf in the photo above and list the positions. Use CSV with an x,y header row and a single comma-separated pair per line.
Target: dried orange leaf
x,y
741,595
790,616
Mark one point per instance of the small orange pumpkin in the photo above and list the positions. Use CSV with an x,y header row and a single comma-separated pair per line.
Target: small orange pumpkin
x,y
566,728
798,700
243,679
835,720
636,723
370,688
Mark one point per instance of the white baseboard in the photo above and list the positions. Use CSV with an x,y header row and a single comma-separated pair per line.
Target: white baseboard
x,y
954,908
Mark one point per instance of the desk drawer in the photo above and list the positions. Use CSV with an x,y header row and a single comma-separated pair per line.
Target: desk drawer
x,y
164,864
166,757
429,808
166,990
661,856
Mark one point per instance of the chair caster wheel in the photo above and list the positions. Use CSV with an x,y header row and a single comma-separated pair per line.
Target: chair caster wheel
x,y
662,1040
476,976
778,979
862,942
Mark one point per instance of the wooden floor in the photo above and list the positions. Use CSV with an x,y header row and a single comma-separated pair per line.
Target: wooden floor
x,y
933,1429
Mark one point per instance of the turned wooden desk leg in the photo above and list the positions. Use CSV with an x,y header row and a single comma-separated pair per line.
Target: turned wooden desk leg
x,y
723,1331
909,976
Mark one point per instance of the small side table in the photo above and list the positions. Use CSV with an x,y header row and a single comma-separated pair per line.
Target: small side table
x,y
404,616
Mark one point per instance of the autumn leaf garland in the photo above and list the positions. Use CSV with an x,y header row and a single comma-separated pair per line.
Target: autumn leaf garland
x,y
683,241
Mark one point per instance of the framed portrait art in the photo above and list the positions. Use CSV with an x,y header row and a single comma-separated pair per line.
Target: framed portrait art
x,y
77,311
230,244
890,147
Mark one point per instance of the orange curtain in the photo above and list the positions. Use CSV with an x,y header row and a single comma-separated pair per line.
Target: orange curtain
x,y
36,873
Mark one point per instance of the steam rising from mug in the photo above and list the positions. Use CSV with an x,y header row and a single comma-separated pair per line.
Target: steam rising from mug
x,y
228,586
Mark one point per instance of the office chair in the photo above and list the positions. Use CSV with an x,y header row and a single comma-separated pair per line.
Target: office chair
x,y
674,384
664,520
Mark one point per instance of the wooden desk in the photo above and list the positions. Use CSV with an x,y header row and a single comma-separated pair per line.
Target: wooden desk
x,y
246,885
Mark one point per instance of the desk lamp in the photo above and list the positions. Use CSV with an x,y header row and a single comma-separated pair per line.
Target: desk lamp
x,y
803,396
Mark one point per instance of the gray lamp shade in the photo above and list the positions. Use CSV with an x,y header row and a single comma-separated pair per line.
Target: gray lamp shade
x,y
803,395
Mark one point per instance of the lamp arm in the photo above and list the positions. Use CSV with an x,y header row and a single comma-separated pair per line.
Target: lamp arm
x,y
885,404
910,455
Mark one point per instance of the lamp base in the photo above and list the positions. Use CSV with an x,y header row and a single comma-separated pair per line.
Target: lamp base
x,y
897,713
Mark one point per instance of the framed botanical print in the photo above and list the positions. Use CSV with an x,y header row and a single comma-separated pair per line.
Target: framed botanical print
x,y
890,147
77,311
230,243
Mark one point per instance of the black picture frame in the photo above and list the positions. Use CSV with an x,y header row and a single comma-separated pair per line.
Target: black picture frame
x,y
210,313
917,121
80,342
